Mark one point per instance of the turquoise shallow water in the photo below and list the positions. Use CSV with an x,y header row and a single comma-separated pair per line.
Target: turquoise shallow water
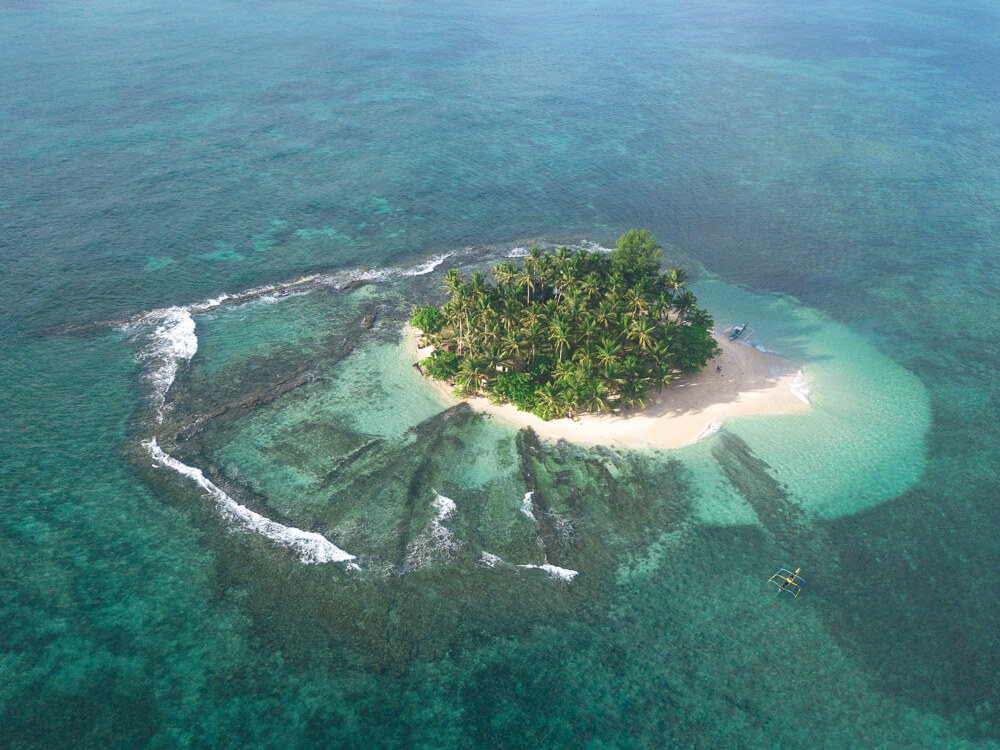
x,y
827,172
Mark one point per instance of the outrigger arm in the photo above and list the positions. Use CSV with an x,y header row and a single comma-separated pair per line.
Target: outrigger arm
x,y
788,581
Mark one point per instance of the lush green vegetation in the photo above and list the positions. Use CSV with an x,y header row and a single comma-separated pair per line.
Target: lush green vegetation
x,y
427,318
569,332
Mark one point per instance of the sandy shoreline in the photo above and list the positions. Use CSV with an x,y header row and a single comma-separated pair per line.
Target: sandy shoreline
x,y
752,382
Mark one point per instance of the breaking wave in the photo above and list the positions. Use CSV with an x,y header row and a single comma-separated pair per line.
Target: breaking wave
x,y
563,574
171,343
527,506
522,251
310,546
800,389
436,543
489,560
427,267
709,429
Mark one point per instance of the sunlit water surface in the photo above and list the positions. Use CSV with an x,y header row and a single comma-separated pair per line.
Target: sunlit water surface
x,y
317,551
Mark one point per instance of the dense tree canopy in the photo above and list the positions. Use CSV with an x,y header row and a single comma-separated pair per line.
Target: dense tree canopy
x,y
568,332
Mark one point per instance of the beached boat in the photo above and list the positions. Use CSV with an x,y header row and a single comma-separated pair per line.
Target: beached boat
x,y
740,330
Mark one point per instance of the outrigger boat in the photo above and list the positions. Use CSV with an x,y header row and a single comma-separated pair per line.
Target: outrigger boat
x,y
739,330
788,581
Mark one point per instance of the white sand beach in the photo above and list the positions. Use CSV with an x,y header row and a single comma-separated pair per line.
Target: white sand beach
x,y
751,382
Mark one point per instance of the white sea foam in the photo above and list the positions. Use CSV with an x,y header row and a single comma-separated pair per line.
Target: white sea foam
x,y
172,343
593,247
527,506
340,279
310,546
428,266
758,347
445,507
435,542
270,299
564,527
522,251
267,292
209,304
710,429
563,574
800,389
490,561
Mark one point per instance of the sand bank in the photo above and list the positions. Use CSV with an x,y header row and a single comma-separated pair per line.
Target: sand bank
x,y
752,382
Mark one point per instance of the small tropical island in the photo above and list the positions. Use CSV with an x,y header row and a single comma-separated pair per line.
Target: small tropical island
x,y
580,345
570,332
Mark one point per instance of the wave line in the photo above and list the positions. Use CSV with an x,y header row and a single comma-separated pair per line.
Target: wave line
x,y
312,547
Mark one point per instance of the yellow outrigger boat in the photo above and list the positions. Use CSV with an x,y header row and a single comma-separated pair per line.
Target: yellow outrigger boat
x,y
788,581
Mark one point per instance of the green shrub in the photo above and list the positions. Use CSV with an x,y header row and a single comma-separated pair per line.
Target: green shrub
x,y
515,387
541,368
427,318
441,365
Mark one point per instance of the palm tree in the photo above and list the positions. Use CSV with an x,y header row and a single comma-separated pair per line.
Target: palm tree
x,y
474,373
630,366
530,315
608,321
685,303
586,354
511,314
533,332
478,287
605,315
574,305
549,403
512,347
559,334
642,333
467,378
590,285
608,352
675,280
564,275
564,372
546,269
491,329
587,329
526,280
635,302
633,393
504,273
453,282
532,266
569,402
616,282
455,315
594,396
664,301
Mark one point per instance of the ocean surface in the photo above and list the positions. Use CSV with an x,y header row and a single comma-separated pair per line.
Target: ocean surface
x,y
231,514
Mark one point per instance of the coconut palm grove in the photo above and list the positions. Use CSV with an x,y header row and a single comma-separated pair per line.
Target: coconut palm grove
x,y
568,332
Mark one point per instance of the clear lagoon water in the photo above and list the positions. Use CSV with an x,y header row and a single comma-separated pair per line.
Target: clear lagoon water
x,y
215,217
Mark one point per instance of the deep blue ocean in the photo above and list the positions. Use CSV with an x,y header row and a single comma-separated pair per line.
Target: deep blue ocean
x,y
230,516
